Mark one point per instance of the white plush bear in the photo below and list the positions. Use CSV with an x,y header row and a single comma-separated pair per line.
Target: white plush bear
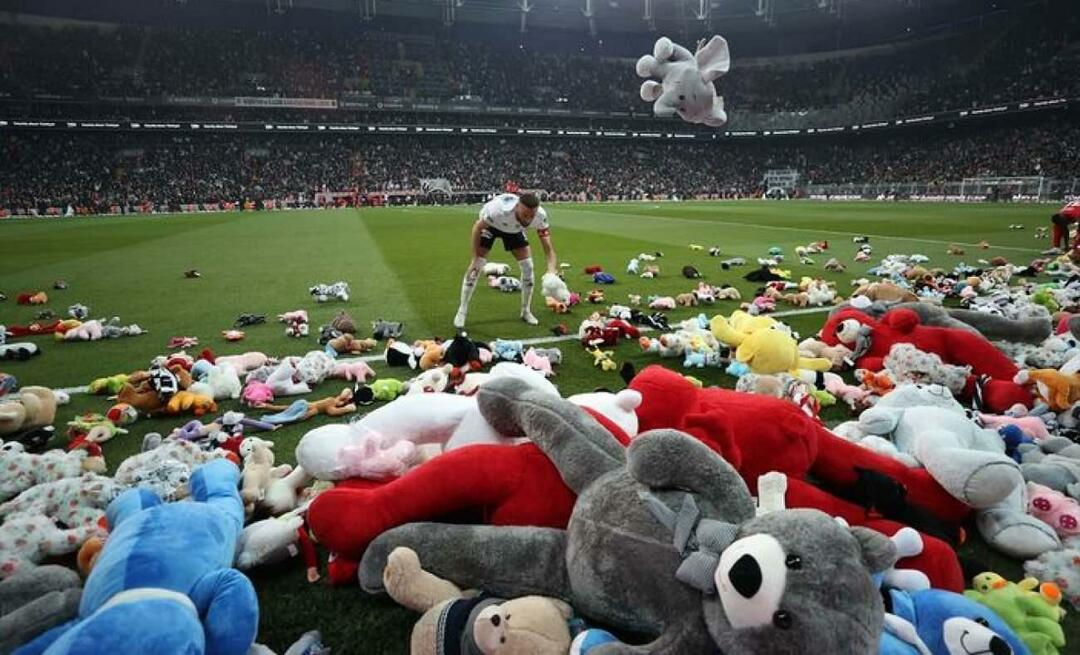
x,y
686,86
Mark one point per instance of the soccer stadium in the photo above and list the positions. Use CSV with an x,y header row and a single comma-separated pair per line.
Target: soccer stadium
x,y
540,327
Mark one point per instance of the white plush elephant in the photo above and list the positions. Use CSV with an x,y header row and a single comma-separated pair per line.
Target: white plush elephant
x,y
686,80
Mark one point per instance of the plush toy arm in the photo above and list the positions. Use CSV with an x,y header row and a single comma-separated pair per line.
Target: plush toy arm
x,y
815,363
229,610
714,430
650,91
44,640
714,59
668,459
575,442
411,586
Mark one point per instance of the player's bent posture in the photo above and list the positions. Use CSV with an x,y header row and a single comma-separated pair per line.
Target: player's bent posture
x,y
1068,215
508,217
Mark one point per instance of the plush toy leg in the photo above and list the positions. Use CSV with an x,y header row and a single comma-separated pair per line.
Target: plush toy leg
x,y
34,601
578,445
1009,529
838,462
937,560
480,479
650,91
505,561
995,328
229,608
978,478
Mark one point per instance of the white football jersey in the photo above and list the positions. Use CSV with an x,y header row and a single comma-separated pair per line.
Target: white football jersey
x,y
499,214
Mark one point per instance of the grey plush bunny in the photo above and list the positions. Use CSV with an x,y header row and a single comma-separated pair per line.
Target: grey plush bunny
x,y
663,541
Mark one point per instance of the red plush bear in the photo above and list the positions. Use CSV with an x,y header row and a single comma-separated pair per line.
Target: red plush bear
x,y
954,346
515,486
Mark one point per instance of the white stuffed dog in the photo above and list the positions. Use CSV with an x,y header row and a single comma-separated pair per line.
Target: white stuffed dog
x,y
686,86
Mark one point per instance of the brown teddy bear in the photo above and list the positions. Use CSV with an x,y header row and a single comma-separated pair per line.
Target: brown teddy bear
x,y
349,344
530,625
35,408
686,300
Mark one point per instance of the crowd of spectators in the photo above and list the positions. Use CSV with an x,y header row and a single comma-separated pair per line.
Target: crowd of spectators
x,y
1032,58
98,170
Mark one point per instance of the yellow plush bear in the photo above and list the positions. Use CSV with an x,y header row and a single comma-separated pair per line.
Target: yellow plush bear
x,y
740,325
531,625
774,351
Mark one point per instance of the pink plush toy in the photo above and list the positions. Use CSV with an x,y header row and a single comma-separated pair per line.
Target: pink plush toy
x,y
245,363
662,302
1055,509
537,362
256,394
354,370
855,397
1033,426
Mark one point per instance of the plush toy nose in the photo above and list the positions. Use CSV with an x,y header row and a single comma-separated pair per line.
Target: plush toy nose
x,y
998,646
745,576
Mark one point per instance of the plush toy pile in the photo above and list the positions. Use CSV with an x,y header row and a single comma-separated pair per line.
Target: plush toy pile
x,y
514,517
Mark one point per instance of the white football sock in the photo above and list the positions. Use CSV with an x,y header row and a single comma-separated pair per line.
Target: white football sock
x,y
527,280
468,286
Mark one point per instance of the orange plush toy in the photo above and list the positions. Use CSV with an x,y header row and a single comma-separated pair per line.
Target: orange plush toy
x,y
1058,390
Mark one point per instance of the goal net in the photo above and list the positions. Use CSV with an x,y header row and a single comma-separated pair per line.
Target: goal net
x,y
780,183
1006,189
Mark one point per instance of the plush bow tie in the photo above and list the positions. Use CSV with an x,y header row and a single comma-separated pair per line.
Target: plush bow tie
x,y
699,540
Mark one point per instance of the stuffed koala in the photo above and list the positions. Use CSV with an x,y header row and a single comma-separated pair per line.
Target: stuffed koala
x,y
686,86
707,574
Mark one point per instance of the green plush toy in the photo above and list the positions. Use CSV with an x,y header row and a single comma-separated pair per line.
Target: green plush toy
x,y
1034,616
384,389
109,386
1046,299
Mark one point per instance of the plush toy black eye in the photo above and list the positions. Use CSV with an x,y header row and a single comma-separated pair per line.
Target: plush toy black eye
x,y
682,97
496,620
983,622
793,562
781,619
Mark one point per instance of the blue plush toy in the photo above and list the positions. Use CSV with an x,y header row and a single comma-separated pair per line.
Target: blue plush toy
x,y
943,623
603,278
164,582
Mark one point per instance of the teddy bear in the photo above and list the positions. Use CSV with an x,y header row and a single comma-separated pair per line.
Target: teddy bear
x,y
259,471
772,351
873,339
164,580
36,298
838,356
34,408
686,300
531,624
36,600
216,381
348,344
686,86
708,573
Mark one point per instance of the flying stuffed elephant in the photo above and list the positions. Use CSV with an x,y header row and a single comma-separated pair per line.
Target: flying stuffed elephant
x,y
686,80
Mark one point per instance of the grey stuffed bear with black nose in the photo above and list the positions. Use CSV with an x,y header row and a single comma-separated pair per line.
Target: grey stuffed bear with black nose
x,y
652,542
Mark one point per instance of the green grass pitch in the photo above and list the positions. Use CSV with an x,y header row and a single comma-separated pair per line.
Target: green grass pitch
x,y
406,264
